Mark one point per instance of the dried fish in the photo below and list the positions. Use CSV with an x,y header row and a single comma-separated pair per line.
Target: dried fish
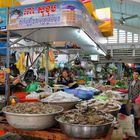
x,y
32,108
99,105
88,117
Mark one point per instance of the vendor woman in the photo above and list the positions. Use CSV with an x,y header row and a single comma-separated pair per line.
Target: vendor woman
x,y
66,79
14,80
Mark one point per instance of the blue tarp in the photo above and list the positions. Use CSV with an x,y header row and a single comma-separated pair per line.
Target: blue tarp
x,y
3,51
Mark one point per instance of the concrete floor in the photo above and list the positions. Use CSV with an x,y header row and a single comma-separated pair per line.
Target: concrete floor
x,y
137,133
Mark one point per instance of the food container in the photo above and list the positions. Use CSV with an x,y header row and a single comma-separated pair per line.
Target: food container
x,y
67,101
82,131
66,105
32,121
20,95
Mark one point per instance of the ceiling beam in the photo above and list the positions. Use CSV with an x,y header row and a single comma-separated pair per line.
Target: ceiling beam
x,y
138,1
127,28
119,13
123,46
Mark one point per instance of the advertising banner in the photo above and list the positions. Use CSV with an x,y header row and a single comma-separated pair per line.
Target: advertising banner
x,y
3,18
45,14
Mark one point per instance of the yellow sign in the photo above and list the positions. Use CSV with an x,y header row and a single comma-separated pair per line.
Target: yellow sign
x,y
8,3
105,15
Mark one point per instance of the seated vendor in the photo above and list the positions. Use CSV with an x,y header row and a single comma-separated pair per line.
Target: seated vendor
x,y
14,80
66,79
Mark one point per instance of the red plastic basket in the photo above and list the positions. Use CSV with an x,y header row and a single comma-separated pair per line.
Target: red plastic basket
x,y
28,100
2,132
20,95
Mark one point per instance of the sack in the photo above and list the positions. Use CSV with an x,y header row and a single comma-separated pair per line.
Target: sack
x,y
117,134
127,124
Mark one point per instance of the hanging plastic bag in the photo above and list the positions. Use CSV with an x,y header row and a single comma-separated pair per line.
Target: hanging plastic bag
x,y
51,60
42,61
20,64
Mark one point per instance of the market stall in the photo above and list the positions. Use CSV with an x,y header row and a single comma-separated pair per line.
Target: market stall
x,y
90,106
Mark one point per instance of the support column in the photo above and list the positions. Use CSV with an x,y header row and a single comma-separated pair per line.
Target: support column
x,y
7,84
46,70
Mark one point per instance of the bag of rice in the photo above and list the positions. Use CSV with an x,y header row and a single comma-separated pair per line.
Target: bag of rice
x,y
127,124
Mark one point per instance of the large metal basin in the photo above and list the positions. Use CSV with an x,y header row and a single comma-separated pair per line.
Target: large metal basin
x,y
66,105
32,121
85,131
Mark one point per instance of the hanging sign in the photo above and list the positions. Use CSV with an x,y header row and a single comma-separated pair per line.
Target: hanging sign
x,y
45,14
3,18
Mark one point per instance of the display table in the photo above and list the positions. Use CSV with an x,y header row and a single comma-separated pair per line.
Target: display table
x,y
51,134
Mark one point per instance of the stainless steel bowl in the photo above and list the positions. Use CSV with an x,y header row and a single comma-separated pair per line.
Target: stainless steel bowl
x,y
32,121
85,131
66,105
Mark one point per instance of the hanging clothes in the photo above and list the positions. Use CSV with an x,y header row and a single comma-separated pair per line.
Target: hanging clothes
x,y
27,61
51,60
20,64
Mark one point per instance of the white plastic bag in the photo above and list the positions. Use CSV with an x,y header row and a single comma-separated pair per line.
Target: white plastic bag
x,y
127,124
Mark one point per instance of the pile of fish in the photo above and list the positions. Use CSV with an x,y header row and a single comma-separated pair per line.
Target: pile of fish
x,y
99,105
86,117
32,108
112,95
60,97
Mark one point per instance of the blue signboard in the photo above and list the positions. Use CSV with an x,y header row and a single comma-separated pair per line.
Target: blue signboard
x,y
45,14
3,18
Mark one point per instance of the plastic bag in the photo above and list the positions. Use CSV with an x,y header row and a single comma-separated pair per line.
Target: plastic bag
x,y
127,124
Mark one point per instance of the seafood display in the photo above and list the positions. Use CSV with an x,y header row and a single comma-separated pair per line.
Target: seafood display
x,y
85,117
99,105
32,108
60,97
67,101
35,95
112,94
32,116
